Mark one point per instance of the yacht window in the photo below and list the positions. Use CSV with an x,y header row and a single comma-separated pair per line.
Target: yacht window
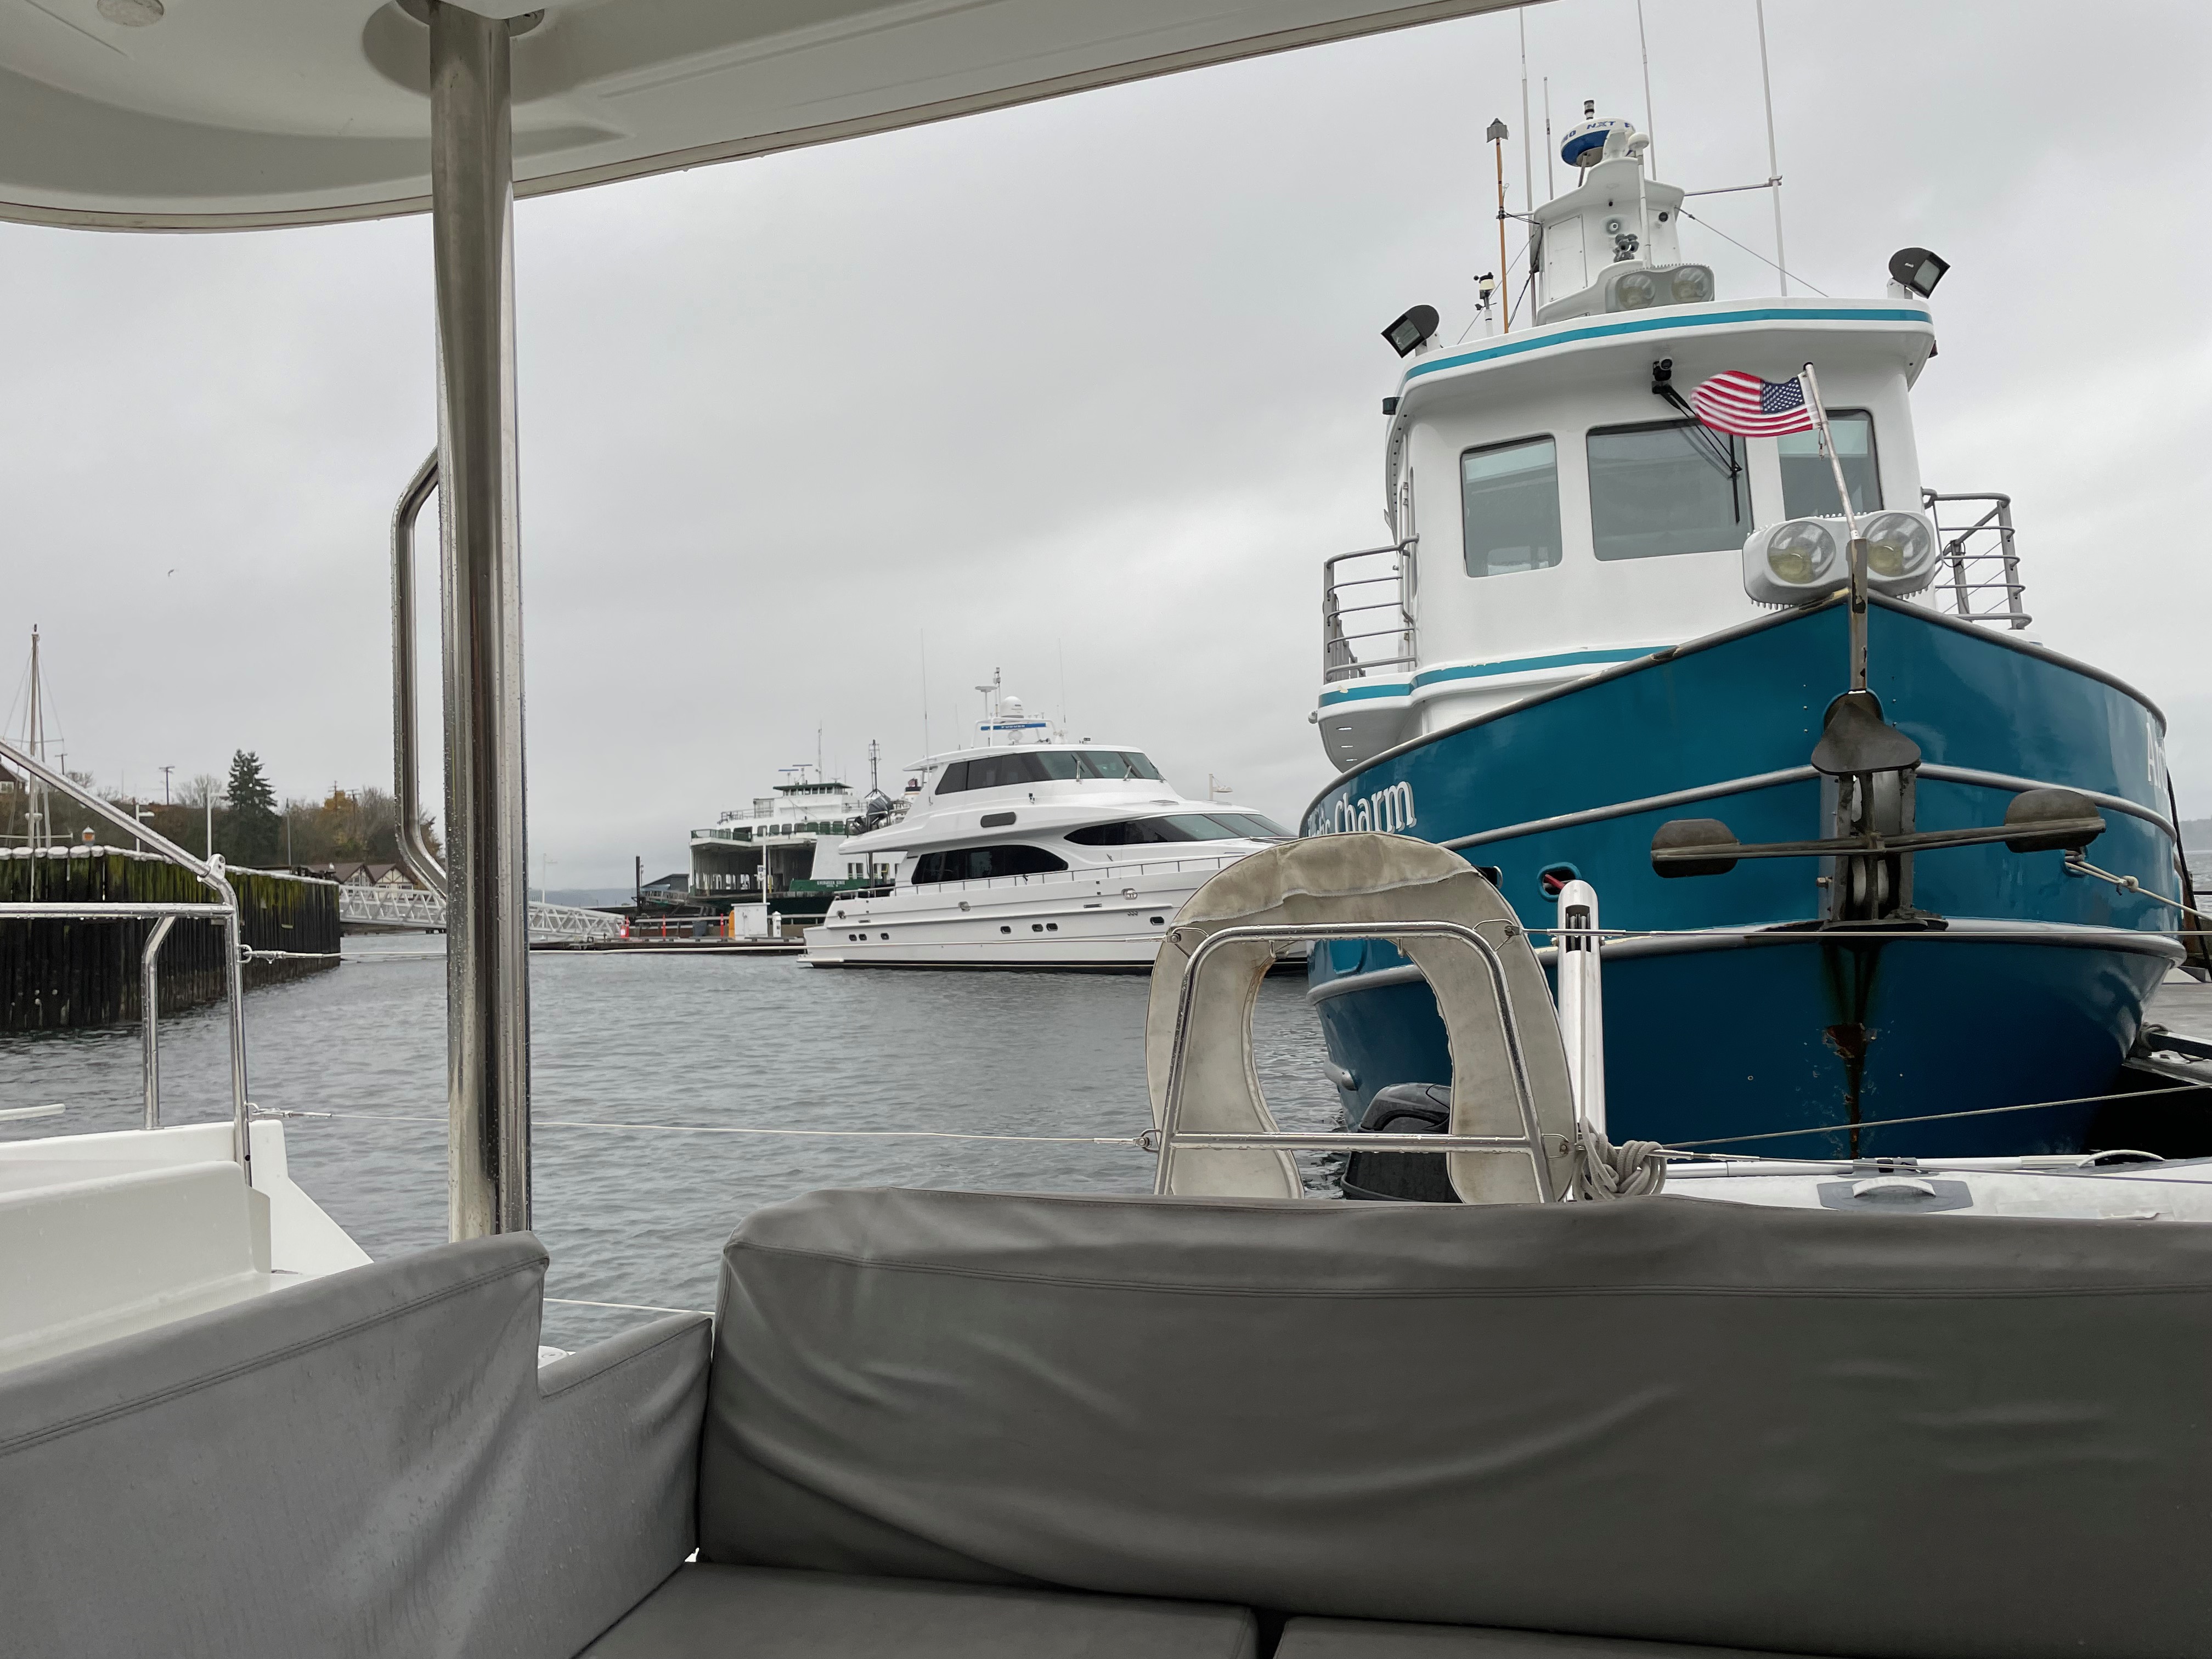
x,y
1117,764
1663,490
982,863
1019,766
1252,825
1509,503
1808,487
1148,832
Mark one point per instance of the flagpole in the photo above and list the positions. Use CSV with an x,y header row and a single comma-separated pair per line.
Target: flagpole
x,y
1858,548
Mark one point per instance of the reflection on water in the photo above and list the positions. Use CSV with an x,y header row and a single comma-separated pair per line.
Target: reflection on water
x,y
640,1217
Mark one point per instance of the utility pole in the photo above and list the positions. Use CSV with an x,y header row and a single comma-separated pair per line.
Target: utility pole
x,y
639,897
165,784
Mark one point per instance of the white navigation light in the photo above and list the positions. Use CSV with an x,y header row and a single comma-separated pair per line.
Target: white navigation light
x,y
1795,562
1900,551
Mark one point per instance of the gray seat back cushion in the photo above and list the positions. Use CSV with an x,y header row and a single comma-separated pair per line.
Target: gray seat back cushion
x,y
763,1613
366,1464
1659,1418
1359,1638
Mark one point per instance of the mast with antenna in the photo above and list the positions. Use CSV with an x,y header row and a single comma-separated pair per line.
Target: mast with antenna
x,y
1650,165
1773,166
1527,159
1551,185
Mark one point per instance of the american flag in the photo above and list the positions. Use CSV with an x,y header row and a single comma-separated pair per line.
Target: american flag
x,y
1750,407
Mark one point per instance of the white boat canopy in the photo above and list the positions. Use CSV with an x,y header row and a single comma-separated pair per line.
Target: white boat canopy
x,y
215,114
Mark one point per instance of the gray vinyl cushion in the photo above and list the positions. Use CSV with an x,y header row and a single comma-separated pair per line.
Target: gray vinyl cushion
x,y
762,1613
1807,1432
1359,1638
362,1465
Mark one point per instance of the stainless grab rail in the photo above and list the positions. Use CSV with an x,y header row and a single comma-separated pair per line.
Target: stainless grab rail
x,y
210,872
415,856
150,1013
1529,1142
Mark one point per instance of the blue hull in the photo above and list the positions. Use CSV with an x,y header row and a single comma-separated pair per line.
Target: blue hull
x,y
1800,1031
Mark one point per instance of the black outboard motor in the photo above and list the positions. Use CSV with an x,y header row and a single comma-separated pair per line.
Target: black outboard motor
x,y
1403,1108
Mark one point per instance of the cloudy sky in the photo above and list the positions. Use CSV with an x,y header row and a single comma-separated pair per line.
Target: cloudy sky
x,y
1083,391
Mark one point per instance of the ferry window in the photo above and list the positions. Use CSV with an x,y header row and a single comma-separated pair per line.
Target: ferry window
x,y
1663,490
1808,487
1509,503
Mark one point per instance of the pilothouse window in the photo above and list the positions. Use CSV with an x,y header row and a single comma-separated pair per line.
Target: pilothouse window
x,y
1510,502
1808,486
1657,490
1019,766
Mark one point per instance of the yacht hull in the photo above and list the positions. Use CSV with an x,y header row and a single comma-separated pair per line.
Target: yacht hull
x,y
2027,986
1110,918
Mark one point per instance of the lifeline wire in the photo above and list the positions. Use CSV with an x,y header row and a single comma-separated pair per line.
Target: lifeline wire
x,y
1753,252
732,1129
1936,1117
626,1307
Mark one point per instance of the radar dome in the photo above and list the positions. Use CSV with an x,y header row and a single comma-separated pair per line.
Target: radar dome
x,y
1584,144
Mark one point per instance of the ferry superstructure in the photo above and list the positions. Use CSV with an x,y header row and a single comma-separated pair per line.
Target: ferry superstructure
x,y
786,851
1032,850
1597,616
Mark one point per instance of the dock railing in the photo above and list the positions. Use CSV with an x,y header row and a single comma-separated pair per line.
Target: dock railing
x,y
1367,611
224,908
1977,567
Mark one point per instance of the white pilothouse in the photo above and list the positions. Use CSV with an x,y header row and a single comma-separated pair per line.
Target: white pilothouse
x,y
1032,850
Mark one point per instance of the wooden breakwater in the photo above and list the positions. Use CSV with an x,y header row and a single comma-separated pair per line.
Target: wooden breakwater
x,y
60,974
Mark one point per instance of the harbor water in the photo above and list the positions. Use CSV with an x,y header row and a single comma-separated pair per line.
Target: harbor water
x,y
638,1214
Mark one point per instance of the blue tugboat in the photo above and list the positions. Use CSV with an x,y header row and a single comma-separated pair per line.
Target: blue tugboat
x,y
1838,843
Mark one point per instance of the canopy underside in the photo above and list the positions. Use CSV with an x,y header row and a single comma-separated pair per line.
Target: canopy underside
x,y
234,113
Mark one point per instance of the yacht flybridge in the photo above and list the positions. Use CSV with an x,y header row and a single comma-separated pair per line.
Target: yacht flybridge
x,y
1032,850
1880,1415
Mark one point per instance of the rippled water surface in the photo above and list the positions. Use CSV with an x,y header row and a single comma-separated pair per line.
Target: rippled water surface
x,y
639,1215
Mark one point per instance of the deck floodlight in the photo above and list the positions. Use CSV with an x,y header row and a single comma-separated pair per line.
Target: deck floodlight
x,y
1635,287
1900,552
1794,562
1692,285
1918,269
1413,330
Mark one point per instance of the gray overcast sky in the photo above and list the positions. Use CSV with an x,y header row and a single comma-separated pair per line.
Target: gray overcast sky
x,y
1085,391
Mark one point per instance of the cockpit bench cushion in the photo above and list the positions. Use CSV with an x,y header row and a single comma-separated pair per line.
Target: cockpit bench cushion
x,y
1804,1431
366,1464
766,1613
1359,1638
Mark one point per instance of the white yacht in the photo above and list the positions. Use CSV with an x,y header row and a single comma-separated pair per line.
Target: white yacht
x,y
1032,850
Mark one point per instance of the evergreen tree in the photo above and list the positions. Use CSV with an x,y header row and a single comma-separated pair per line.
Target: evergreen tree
x,y
252,833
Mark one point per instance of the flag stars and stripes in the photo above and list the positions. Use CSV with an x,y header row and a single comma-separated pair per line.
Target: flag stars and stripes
x,y
1751,407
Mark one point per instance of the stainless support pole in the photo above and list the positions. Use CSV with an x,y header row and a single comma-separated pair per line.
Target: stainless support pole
x,y
415,856
234,985
150,1013
487,938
